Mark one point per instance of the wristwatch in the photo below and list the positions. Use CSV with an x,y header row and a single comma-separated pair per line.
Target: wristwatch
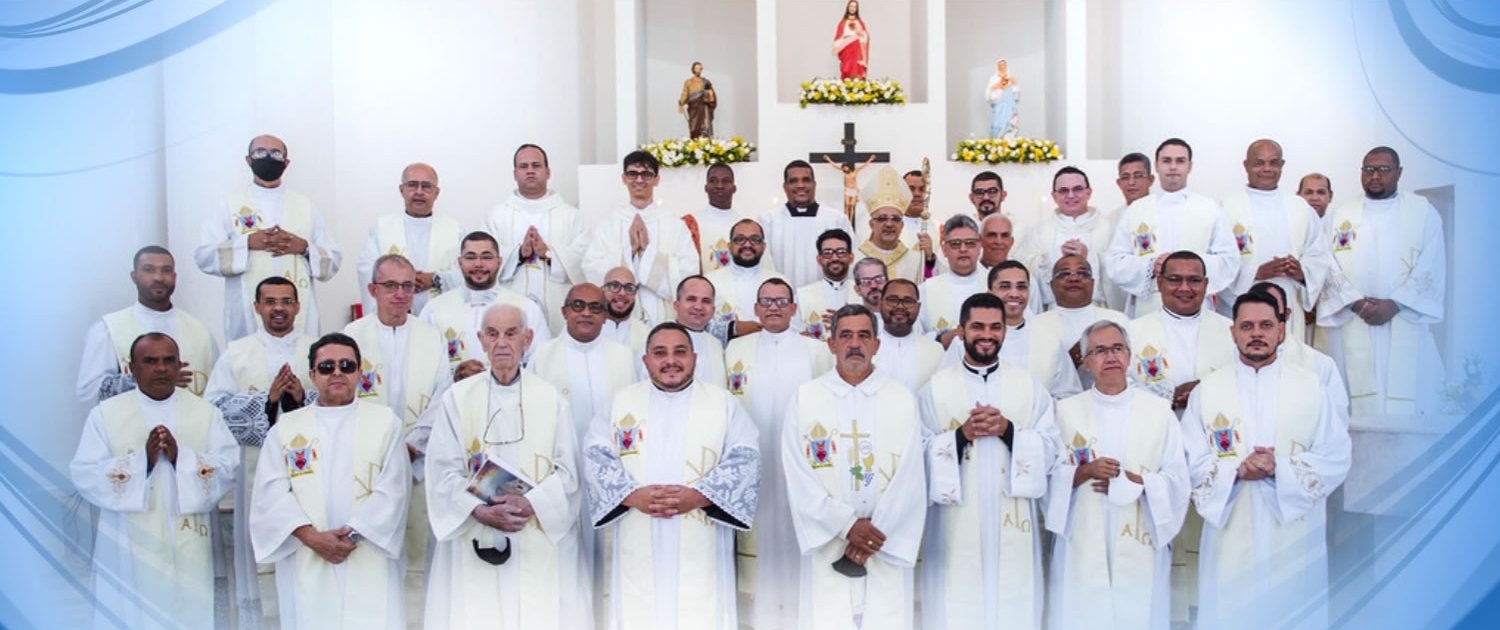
x,y
437,281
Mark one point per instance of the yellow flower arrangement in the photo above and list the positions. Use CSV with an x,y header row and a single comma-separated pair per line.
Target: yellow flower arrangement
x,y
700,151
998,150
856,92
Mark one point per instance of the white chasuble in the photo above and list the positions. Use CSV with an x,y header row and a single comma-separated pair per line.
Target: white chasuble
x,y
1043,248
334,467
587,374
822,296
546,282
765,370
675,572
1161,224
942,296
1168,350
431,243
526,428
1272,224
1111,558
153,564
105,369
736,288
1388,249
1263,558
853,452
982,565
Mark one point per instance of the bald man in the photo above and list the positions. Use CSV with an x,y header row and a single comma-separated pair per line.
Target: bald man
x,y
430,242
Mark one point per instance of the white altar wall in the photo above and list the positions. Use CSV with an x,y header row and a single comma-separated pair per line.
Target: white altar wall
x,y
721,35
979,33
804,43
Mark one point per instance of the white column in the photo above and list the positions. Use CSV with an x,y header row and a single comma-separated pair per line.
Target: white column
x,y
1075,79
627,15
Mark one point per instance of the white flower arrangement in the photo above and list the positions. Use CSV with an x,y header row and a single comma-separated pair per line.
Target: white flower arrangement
x,y
853,91
998,150
700,151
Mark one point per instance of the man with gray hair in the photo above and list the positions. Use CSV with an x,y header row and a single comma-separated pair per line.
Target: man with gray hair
x,y
942,294
430,242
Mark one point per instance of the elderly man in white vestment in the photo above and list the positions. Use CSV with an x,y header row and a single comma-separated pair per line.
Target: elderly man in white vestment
x,y
794,231
641,236
942,294
1174,219
851,448
1390,247
765,370
429,241
1280,238
541,238
1116,499
265,230
155,461
1074,308
329,507
457,312
816,302
104,370
673,471
625,323
1265,449
991,442
252,385
1037,347
509,554
736,284
905,356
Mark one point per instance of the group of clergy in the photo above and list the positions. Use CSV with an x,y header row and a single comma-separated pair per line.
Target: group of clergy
x,y
490,429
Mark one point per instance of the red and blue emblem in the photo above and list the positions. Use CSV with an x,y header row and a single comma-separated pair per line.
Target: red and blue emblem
x,y
1224,437
1144,240
1152,365
628,436
247,220
1079,452
476,458
369,380
300,456
454,344
1242,239
820,447
737,378
815,326
1343,237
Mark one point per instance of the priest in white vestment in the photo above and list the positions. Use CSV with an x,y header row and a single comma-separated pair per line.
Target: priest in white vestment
x,y
885,197
429,241
1071,228
905,356
542,238
456,313
1172,220
1265,449
673,471
1037,347
155,461
794,230
765,370
711,224
512,559
329,507
851,448
1390,247
252,385
1074,308
942,294
643,237
104,370
625,323
817,301
1116,499
991,442
735,285
1295,351
265,230
694,308
1279,237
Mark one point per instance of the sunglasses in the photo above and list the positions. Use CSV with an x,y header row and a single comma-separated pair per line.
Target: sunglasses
x,y
577,306
346,366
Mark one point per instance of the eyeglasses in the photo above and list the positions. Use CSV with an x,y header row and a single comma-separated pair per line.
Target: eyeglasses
x,y
837,251
899,301
275,154
486,257
1076,190
1082,274
1189,280
983,192
577,306
870,280
392,286
1125,177
639,174
1371,170
742,239
414,184
778,302
286,301
962,243
346,366
486,436
1118,348
617,287
886,218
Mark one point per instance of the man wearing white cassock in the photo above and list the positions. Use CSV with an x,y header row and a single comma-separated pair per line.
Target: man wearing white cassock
x,y
1037,347
1073,309
1174,219
1116,499
905,356
851,448
1280,238
1072,228
816,302
429,241
104,371
456,313
1389,245
735,285
265,230
673,470
1295,351
942,294
694,308
252,385
153,563
511,559
711,225
1265,449
540,237
625,324
329,507
991,442
794,231
765,370
643,237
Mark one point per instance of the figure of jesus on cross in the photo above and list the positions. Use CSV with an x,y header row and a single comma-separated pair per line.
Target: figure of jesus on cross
x,y
845,161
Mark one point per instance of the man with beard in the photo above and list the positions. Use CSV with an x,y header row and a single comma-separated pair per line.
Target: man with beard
x,y
794,231
765,370
1293,350
991,443
539,236
905,356
265,230
885,197
673,470
640,235
425,239
694,307
1073,289
624,323
986,193
104,370
456,314
252,385
851,448
736,286
1265,449
711,225
816,302
944,293
1072,228
1040,349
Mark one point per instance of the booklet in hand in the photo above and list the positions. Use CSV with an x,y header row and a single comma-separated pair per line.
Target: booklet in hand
x,y
494,478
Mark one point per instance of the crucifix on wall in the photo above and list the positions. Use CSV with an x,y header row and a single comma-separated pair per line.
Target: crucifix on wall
x,y
850,163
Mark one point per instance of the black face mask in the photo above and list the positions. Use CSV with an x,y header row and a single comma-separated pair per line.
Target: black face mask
x,y
267,169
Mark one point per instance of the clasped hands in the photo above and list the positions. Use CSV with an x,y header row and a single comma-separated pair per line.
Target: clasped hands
x,y
507,513
160,442
665,501
865,540
1099,471
334,545
1375,311
640,239
534,245
1259,465
984,421
1281,266
277,241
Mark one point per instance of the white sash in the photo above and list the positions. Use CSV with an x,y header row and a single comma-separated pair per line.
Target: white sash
x,y
247,363
442,242
194,343
296,217
942,303
1042,349
1151,364
422,364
